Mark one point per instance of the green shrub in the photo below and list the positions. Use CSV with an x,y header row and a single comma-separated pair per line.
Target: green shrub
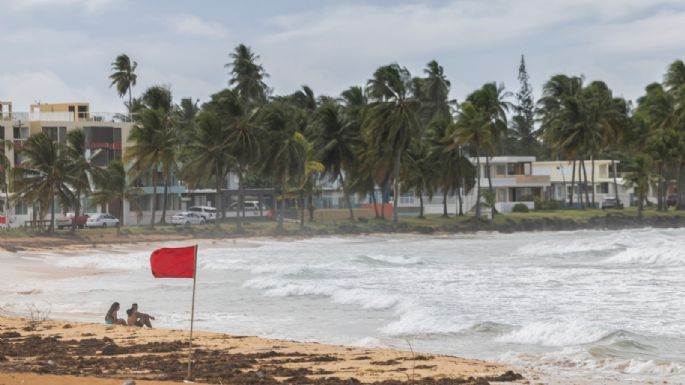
x,y
520,208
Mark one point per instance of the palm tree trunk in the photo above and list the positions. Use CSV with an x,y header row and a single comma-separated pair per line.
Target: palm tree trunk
x,y
130,102
594,188
420,205
165,197
487,167
640,203
154,196
77,210
346,194
375,204
397,187
310,207
461,202
659,192
219,195
52,210
279,226
573,183
478,184
681,187
241,205
613,167
302,207
444,203
587,197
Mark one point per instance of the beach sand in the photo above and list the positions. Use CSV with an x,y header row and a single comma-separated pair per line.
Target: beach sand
x,y
54,352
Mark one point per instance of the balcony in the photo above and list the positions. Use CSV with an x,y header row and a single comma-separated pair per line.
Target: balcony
x,y
65,116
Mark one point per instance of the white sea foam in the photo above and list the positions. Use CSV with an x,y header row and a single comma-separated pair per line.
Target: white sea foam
x,y
392,259
368,342
663,254
555,334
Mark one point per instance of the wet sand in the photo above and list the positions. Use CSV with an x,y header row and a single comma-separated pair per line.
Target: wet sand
x,y
37,352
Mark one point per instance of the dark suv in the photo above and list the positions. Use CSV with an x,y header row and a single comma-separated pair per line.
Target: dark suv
x,y
611,203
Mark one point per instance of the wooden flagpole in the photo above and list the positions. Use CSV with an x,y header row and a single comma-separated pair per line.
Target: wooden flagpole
x,y
192,318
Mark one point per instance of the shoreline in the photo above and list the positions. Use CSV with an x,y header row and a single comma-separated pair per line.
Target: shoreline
x,y
78,352
507,224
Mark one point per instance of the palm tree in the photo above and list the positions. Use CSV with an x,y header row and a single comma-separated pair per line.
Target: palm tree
x,y
152,146
641,178
43,177
420,171
491,101
247,76
80,168
284,151
124,77
392,120
207,155
112,185
336,139
308,169
435,91
561,111
472,128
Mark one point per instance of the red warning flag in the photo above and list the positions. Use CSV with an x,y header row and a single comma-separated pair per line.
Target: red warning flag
x,y
173,262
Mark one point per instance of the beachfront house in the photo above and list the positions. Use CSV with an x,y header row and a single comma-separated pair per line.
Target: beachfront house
x,y
512,179
561,176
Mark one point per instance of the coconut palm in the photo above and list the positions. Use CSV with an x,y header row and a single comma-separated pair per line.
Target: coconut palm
x,y
307,170
336,139
561,114
247,76
491,101
283,151
124,77
152,147
421,172
472,128
207,155
80,168
392,120
641,178
43,177
435,91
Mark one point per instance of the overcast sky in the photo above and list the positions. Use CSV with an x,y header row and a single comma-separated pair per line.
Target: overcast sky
x,y
61,50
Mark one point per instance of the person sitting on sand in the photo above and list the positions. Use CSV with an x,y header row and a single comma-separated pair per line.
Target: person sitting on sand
x,y
136,318
111,316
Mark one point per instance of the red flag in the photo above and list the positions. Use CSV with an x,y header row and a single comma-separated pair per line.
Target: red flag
x,y
174,262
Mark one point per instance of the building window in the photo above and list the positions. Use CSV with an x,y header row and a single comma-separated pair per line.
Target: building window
x,y
20,209
603,188
500,170
58,134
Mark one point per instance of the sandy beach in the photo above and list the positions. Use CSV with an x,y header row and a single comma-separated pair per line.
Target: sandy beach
x,y
60,352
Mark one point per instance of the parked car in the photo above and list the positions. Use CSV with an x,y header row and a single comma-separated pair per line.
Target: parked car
x,y
70,219
671,200
247,205
187,218
611,203
102,220
207,212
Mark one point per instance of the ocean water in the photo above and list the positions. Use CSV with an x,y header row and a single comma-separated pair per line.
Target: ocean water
x,y
604,305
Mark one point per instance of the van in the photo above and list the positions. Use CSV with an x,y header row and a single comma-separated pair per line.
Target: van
x,y
207,212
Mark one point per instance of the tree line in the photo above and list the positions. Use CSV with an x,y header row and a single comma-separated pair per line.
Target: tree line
x,y
398,132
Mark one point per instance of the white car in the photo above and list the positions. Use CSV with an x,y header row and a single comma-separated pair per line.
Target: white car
x,y
207,212
102,220
247,205
187,218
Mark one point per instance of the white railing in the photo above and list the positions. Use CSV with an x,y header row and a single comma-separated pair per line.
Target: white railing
x,y
67,116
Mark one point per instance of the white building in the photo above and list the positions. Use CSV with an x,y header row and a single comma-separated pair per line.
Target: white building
x,y
561,175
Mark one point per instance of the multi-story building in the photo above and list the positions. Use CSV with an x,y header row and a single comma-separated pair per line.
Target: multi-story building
x,y
106,135
561,175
